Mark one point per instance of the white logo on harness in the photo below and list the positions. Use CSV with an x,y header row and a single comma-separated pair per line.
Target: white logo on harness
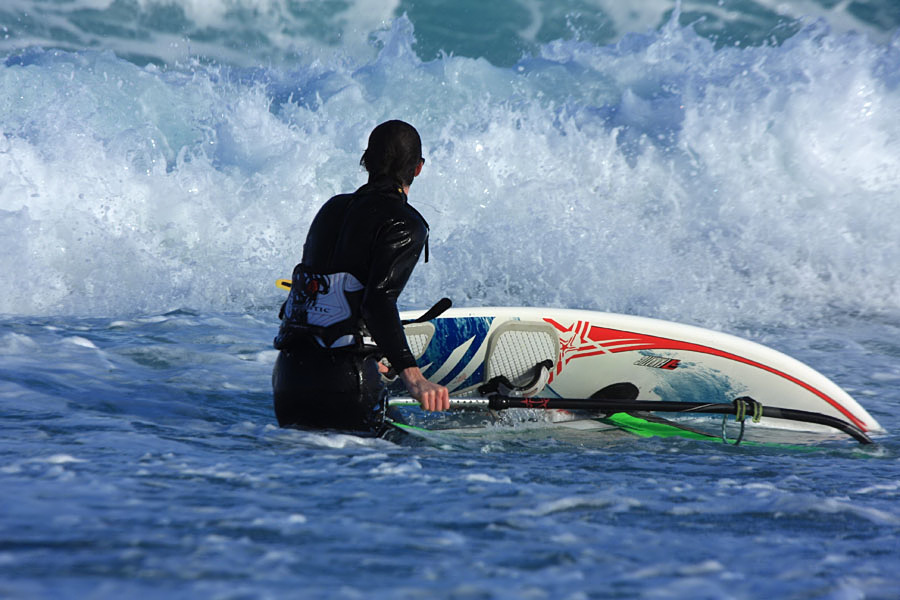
x,y
331,306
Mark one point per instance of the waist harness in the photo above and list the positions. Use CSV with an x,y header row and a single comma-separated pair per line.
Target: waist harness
x,y
324,306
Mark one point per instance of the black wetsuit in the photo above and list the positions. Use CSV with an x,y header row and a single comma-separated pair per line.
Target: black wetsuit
x,y
359,253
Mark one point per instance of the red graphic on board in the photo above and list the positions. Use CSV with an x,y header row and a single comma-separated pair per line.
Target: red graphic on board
x,y
581,339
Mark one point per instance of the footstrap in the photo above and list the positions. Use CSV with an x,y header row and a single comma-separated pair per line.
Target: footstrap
x,y
501,385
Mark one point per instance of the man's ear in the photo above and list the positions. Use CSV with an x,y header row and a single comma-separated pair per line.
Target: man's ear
x,y
419,168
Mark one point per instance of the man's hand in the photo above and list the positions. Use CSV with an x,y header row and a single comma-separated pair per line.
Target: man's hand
x,y
431,396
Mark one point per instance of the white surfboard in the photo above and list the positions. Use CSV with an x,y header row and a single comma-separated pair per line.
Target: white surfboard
x,y
590,351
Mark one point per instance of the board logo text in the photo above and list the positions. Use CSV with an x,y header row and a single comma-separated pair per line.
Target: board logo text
x,y
658,362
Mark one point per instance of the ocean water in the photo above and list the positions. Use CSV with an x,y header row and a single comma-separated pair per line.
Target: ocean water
x,y
731,164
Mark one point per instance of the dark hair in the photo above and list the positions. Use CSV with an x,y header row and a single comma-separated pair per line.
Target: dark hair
x,y
394,151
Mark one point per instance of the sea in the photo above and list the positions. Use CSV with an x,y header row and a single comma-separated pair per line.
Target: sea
x,y
730,164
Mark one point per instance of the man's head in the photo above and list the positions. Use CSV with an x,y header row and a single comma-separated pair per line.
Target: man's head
x,y
395,150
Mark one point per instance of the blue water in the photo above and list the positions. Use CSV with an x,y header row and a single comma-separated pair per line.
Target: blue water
x,y
731,164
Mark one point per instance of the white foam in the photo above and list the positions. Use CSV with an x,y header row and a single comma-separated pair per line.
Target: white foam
x,y
14,344
408,467
59,459
611,502
80,341
888,486
486,478
661,176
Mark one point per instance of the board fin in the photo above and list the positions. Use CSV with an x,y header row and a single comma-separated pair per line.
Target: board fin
x,y
617,391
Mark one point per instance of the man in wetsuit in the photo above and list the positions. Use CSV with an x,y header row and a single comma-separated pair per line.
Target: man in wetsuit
x,y
359,253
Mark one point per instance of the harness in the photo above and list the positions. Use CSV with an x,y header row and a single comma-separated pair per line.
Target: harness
x,y
321,306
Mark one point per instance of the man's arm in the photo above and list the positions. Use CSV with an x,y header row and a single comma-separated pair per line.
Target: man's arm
x,y
396,254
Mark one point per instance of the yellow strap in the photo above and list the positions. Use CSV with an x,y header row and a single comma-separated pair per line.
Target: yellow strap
x,y
284,284
741,412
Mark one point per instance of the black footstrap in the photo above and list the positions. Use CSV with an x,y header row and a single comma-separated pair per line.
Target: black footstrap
x,y
502,386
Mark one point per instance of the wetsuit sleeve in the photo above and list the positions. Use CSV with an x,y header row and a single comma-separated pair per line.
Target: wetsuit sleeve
x,y
397,249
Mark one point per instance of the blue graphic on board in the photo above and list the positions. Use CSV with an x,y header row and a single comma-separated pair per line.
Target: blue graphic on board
x,y
689,382
450,334
697,383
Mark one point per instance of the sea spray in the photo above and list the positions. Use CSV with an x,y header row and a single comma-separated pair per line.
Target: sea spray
x,y
662,175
